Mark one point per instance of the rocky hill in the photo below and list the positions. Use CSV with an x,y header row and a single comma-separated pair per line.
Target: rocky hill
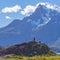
x,y
27,49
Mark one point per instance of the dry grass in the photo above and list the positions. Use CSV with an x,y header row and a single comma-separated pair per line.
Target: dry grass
x,y
31,58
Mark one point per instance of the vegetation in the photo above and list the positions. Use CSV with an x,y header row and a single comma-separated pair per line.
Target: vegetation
x,y
46,57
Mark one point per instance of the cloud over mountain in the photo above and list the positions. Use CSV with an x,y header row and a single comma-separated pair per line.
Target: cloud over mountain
x,y
28,10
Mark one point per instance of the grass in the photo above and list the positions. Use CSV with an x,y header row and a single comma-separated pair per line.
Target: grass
x,y
57,57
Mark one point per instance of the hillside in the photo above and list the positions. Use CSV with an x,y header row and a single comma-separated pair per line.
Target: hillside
x,y
31,48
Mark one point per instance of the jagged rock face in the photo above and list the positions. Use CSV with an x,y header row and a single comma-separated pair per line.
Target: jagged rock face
x,y
27,49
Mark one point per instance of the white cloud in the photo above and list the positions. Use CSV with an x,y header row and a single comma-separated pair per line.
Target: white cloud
x,y
15,8
28,10
8,17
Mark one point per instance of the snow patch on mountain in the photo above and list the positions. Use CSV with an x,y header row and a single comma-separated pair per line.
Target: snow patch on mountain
x,y
29,10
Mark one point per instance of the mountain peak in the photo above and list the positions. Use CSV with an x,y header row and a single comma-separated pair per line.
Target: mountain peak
x,y
44,24
49,6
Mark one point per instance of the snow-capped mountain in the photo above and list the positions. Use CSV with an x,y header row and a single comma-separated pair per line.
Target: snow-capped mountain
x,y
43,23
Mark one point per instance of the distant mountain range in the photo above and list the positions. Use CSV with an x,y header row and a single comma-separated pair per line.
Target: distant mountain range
x,y
44,24
56,50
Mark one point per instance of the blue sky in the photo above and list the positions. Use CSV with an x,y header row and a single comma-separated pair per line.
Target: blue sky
x,y
11,9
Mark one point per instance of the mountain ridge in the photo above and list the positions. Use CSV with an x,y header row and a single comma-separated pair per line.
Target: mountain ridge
x,y
43,24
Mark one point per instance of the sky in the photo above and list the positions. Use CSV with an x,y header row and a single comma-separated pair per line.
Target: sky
x,y
18,9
